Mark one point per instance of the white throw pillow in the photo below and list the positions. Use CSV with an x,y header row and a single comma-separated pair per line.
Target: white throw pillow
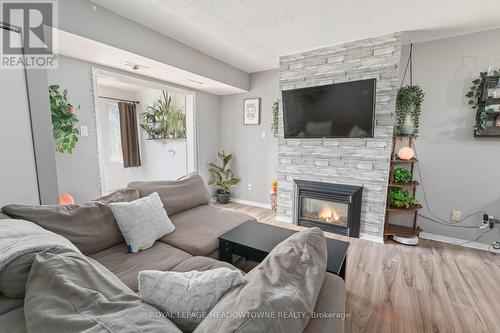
x,y
186,298
142,221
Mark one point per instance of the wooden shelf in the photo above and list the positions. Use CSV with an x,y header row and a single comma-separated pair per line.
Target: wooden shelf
x,y
403,136
398,160
404,210
411,184
488,131
400,230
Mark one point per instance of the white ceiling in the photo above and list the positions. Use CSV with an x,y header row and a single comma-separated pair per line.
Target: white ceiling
x,y
252,34
82,48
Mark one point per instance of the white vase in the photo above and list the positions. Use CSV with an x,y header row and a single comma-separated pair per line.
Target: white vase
x,y
407,127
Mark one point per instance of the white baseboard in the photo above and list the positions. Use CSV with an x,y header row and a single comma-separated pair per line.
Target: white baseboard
x,y
457,241
251,203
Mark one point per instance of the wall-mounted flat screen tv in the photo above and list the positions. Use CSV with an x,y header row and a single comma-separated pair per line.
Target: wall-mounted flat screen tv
x,y
341,110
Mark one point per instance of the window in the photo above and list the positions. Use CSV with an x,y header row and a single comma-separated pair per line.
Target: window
x,y
114,137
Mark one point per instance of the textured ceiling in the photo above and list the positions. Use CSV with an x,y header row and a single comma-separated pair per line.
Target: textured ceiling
x,y
252,34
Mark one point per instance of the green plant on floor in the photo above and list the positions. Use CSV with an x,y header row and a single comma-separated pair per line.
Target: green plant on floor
x,y
409,103
402,175
162,120
223,177
274,125
64,120
402,199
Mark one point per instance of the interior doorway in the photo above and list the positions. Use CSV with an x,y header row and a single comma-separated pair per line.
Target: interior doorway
x,y
145,131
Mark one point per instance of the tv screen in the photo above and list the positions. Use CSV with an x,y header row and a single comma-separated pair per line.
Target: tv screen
x,y
342,110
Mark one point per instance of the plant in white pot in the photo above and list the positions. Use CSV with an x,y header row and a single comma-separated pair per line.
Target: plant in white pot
x,y
223,177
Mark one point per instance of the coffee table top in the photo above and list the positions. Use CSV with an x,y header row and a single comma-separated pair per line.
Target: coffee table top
x,y
264,237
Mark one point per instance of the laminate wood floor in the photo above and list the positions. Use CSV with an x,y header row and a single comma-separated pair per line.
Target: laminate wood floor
x,y
432,287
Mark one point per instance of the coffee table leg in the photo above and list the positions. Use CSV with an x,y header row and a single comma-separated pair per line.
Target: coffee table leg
x,y
225,253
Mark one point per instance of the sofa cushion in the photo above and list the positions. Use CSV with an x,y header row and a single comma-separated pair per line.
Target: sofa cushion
x,y
127,266
288,281
177,195
121,195
90,227
331,301
188,296
199,263
142,221
69,292
197,230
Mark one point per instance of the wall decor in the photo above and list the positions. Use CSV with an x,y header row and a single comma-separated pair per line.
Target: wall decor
x,y
64,120
274,125
251,111
483,100
162,120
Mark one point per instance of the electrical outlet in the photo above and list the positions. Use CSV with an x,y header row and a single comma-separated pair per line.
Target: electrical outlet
x,y
263,134
84,131
456,216
249,187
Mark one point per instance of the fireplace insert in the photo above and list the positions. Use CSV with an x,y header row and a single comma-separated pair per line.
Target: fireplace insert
x,y
330,207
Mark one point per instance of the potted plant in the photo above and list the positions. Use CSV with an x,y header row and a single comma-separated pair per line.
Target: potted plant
x,y
64,120
163,120
223,177
408,109
402,175
402,199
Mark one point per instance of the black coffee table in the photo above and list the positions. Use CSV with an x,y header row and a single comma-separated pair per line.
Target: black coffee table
x,y
254,241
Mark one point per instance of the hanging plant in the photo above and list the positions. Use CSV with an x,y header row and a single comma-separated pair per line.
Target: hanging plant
x,y
409,104
64,120
162,120
274,124
474,95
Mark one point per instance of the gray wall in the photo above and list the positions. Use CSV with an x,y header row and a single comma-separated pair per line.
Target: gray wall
x,y
349,161
255,158
459,171
78,173
102,25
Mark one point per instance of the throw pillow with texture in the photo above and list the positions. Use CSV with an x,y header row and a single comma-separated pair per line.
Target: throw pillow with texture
x,y
142,221
186,298
287,281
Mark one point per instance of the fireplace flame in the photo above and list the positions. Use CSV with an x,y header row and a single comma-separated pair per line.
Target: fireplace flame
x,y
328,214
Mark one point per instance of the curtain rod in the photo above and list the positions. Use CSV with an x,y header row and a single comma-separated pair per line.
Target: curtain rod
x,y
119,99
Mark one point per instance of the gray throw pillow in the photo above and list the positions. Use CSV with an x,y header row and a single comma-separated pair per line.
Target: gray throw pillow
x,y
142,221
69,292
177,195
288,281
187,297
90,227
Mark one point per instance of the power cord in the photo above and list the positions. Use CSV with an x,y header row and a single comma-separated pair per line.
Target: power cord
x,y
434,217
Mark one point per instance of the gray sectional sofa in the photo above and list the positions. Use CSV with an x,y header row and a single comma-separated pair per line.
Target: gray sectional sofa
x,y
192,246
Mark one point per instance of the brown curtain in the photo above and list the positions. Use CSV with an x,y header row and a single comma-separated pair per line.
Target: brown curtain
x,y
129,135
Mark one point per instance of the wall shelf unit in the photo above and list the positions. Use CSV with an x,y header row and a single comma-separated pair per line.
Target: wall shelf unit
x,y
394,229
485,103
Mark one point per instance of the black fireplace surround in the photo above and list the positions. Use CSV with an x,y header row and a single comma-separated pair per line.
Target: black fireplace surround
x,y
331,207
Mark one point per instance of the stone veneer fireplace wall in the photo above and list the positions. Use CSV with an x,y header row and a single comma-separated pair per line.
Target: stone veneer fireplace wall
x,y
363,162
